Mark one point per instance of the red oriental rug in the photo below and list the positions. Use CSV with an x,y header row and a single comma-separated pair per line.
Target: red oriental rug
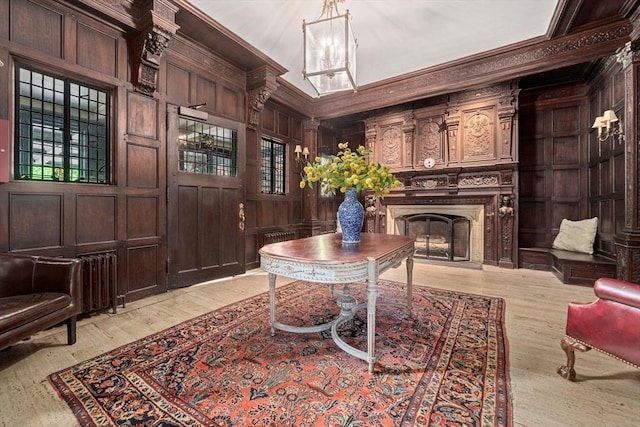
x,y
445,366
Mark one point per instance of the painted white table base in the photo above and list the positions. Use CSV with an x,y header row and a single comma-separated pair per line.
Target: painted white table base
x,y
341,271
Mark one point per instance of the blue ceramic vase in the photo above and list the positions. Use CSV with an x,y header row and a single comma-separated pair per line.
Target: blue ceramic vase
x,y
351,217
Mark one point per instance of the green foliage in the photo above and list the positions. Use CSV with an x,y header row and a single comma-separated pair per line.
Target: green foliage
x,y
350,169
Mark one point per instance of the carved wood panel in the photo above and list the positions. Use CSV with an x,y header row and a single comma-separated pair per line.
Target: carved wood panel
x,y
429,140
478,135
391,145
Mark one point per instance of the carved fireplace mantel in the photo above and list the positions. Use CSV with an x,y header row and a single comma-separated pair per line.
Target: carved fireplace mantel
x,y
460,152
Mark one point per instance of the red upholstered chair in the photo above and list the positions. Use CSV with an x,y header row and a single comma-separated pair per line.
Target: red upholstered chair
x,y
611,324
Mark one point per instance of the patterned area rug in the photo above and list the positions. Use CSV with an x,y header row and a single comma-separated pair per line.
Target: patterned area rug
x,y
444,366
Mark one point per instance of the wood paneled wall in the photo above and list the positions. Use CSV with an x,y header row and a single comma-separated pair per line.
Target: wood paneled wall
x,y
129,216
607,160
554,125
267,213
565,170
63,219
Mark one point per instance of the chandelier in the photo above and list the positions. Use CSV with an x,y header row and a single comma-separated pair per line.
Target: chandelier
x,y
330,51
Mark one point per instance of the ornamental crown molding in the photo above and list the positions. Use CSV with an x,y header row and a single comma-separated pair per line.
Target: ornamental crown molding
x,y
504,64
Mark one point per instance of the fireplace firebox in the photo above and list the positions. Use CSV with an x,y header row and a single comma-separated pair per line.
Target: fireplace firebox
x,y
438,236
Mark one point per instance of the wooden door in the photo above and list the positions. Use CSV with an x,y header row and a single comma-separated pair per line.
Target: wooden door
x,y
205,195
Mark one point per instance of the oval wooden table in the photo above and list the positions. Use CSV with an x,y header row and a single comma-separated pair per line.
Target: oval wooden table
x,y
324,259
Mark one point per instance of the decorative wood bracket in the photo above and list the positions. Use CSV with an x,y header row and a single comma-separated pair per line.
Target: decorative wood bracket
x,y
157,29
261,84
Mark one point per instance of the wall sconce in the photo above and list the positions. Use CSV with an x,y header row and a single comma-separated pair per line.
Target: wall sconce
x,y
305,154
608,125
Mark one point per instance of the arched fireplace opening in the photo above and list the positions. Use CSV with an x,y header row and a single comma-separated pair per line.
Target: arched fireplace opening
x,y
438,236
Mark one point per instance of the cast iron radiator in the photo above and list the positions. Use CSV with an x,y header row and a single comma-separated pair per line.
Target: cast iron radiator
x,y
280,236
99,282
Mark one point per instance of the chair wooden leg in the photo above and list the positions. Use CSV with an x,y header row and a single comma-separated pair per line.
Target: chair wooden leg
x,y
71,330
569,345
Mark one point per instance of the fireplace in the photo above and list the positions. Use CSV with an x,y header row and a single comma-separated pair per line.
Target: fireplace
x,y
450,233
440,237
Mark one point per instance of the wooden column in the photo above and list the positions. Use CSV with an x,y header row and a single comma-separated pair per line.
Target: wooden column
x,y
310,223
627,241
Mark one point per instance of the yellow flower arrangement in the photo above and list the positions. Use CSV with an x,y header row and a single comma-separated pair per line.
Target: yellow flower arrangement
x,y
350,169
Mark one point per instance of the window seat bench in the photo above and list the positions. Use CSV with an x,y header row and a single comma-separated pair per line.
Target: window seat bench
x,y
570,267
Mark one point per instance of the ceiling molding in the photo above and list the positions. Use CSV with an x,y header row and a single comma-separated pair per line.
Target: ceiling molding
x,y
502,64
563,17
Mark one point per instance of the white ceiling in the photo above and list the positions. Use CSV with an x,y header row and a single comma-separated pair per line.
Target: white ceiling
x,y
394,36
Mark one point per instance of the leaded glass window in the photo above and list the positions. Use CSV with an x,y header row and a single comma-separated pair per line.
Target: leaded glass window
x,y
62,129
273,166
207,149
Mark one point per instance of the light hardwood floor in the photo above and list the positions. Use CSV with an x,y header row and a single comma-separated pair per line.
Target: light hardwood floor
x,y
606,393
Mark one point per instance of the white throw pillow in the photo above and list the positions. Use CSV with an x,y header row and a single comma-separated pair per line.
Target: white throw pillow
x,y
576,236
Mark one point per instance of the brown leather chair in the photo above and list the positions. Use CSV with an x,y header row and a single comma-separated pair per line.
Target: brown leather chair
x,y
611,324
37,293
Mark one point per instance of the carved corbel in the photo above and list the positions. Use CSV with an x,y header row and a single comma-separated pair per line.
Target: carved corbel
x,y
257,98
158,28
261,84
